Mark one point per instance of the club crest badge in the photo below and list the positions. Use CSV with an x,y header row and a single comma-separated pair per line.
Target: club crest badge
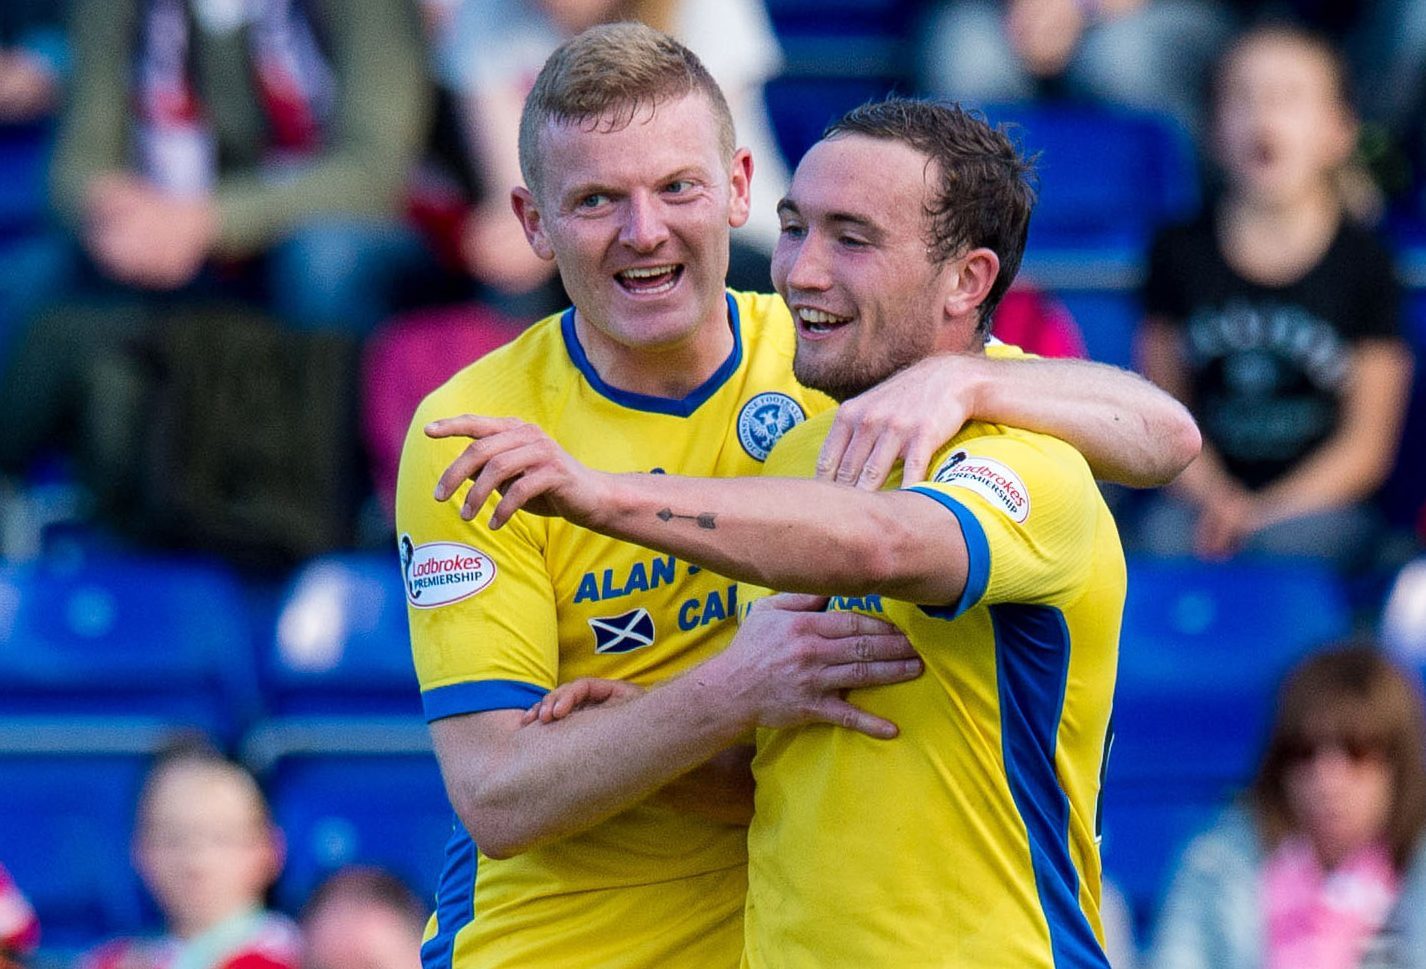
x,y
623,633
764,419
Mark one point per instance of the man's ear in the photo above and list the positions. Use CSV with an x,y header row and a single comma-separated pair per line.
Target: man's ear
x,y
740,181
973,276
527,210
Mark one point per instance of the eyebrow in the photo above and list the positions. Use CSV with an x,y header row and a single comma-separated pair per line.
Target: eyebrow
x,y
788,207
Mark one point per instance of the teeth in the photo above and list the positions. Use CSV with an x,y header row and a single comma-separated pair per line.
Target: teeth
x,y
817,316
646,272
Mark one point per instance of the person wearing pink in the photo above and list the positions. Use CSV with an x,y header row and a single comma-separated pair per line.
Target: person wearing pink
x,y
1324,866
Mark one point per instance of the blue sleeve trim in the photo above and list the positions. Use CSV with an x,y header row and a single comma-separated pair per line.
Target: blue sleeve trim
x,y
977,554
478,696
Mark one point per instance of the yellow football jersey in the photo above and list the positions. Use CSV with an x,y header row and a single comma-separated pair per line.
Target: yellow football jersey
x,y
499,618
970,840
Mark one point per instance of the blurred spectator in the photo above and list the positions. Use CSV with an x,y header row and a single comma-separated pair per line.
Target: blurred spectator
x,y
405,360
1150,54
363,918
203,131
207,849
490,57
1323,866
1038,323
33,59
19,928
1275,319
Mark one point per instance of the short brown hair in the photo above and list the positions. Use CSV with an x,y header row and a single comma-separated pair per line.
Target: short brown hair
x,y
604,77
984,194
1356,696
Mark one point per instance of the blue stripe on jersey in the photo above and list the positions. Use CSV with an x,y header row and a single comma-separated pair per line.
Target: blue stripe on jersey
x,y
977,553
1032,651
455,899
478,696
657,405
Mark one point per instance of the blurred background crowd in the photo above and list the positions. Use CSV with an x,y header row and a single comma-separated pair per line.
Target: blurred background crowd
x,y
241,239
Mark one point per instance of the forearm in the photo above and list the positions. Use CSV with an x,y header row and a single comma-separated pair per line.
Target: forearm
x,y
1128,430
1340,472
254,212
381,119
789,534
94,126
553,780
1356,459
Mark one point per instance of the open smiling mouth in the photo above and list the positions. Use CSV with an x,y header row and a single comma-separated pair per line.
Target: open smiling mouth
x,y
650,280
816,322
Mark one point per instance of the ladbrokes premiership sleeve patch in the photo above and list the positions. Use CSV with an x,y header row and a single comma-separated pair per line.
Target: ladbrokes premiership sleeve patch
x,y
440,573
992,480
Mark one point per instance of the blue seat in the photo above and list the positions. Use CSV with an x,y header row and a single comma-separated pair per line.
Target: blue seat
x,y
1404,494
1108,176
65,825
97,632
1108,319
24,159
1202,652
341,644
801,107
1146,828
353,808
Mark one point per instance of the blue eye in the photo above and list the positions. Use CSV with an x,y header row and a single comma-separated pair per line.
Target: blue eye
x,y
593,201
794,231
679,186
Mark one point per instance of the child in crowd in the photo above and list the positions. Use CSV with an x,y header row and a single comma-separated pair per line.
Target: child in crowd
x,y
1275,318
208,851
363,918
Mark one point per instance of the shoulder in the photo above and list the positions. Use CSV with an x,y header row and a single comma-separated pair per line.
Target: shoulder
x,y
274,943
764,316
795,454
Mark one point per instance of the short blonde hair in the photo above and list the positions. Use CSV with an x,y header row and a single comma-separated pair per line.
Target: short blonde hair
x,y
604,77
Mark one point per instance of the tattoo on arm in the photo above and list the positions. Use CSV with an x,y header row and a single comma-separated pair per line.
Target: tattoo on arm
x,y
704,520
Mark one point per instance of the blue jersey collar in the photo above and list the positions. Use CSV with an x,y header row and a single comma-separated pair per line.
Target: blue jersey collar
x,y
675,407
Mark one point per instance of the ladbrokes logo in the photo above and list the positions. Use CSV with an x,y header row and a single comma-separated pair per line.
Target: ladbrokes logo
x,y
992,480
439,573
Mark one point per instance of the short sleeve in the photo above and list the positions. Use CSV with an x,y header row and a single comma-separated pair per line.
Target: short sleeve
x,y
481,604
1027,508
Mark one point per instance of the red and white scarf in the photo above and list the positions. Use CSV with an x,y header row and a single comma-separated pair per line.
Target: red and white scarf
x,y
290,76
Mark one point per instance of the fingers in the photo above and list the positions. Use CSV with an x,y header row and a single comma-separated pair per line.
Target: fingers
x,y
837,711
916,460
851,676
792,602
874,472
833,447
849,626
484,431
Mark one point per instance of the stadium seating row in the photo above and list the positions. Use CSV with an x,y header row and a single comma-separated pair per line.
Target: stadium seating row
x,y
104,655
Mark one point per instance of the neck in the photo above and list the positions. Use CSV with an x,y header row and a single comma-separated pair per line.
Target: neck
x,y
671,370
1310,214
